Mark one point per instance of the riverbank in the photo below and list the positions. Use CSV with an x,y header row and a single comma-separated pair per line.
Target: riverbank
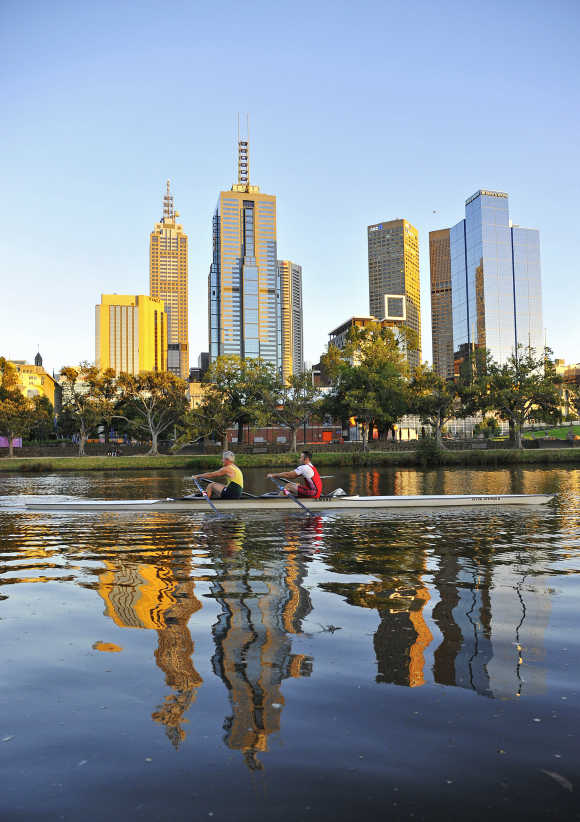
x,y
200,462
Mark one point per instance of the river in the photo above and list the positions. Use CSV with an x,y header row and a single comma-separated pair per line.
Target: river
x,y
409,665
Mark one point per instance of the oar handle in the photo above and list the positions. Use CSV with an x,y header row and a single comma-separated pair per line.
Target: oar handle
x,y
204,494
287,493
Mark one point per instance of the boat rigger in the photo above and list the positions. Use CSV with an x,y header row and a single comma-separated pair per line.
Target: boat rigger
x,y
337,503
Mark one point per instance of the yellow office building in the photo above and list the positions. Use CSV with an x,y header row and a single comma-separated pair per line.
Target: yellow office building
x,y
130,334
394,286
290,280
168,272
244,293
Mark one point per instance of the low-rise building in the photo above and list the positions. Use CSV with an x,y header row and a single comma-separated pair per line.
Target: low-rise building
x,y
34,381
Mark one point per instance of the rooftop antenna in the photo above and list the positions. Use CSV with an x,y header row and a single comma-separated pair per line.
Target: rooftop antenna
x,y
244,155
168,206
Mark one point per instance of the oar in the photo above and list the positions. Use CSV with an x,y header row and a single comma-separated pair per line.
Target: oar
x,y
288,494
204,494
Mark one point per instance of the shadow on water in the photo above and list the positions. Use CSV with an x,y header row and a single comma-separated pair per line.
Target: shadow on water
x,y
299,645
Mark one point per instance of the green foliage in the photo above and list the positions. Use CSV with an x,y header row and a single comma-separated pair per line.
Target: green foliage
x,y
81,412
432,398
429,452
297,402
153,402
369,379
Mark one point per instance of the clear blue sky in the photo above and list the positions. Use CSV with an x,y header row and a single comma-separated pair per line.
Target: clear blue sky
x,y
360,112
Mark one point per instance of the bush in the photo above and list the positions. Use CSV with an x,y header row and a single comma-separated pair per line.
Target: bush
x,y
428,451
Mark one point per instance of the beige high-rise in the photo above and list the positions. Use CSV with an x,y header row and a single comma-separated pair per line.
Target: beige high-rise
x,y
441,313
394,285
168,273
290,278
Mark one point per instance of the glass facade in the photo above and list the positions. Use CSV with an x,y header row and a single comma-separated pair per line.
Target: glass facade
x,y
495,280
243,286
441,315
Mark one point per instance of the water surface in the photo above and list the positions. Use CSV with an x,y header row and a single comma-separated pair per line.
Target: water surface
x,y
388,665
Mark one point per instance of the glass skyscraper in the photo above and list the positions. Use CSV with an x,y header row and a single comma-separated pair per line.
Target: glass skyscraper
x,y
244,290
495,280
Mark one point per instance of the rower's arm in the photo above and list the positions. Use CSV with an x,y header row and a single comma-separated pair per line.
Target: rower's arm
x,y
284,475
213,474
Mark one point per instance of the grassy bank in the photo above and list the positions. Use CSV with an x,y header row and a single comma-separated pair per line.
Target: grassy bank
x,y
492,458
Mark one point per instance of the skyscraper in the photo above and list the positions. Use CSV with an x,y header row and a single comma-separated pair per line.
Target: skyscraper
x,y
495,280
168,282
130,334
290,279
394,288
244,293
441,315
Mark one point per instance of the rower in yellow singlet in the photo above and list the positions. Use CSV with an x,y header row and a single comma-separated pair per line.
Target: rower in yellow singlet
x,y
234,479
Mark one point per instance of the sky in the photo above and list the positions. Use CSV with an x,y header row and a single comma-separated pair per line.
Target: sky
x,y
359,113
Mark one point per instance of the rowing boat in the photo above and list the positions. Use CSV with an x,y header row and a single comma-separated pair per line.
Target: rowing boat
x,y
199,504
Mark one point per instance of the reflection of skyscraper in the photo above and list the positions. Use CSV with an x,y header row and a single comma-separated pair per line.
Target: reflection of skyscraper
x,y
495,280
151,596
168,272
244,294
253,648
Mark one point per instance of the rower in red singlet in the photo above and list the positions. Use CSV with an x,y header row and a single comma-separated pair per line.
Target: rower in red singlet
x,y
309,483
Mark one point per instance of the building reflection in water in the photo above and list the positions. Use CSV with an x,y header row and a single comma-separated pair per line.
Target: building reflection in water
x,y
263,602
466,618
159,595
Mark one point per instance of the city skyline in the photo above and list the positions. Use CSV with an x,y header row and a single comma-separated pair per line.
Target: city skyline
x,y
85,146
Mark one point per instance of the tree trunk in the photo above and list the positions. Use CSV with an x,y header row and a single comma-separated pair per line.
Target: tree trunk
x,y
518,436
82,441
438,438
10,445
153,451
240,432
365,437
293,445
225,441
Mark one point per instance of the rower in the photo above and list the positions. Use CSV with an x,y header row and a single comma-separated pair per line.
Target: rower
x,y
234,479
309,483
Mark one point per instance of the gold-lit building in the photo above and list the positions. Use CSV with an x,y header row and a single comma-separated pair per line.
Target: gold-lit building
x,y
168,275
130,334
243,287
290,279
394,285
34,381
441,309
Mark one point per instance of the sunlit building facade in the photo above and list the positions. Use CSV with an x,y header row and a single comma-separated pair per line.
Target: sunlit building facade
x,y
441,312
290,284
243,287
393,254
168,276
495,280
34,381
130,334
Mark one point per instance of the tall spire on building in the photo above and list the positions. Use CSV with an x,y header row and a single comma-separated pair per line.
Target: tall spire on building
x,y
168,205
243,183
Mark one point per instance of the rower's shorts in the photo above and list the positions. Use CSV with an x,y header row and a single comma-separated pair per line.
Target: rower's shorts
x,y
303,491
232,491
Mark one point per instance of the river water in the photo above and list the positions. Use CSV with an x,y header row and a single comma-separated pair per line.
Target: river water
x,y
382,665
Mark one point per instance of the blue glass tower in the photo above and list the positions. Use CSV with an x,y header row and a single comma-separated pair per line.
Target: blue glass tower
x,y
495,280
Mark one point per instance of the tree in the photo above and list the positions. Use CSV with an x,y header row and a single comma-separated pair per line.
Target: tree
x,y
432,398
16,411
42,422
247,389
212,417
80,409
104,388
369,378
153,402
296,403
16,417
526,387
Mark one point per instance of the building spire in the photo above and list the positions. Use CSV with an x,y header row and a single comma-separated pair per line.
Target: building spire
x,y
168,206
244,155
